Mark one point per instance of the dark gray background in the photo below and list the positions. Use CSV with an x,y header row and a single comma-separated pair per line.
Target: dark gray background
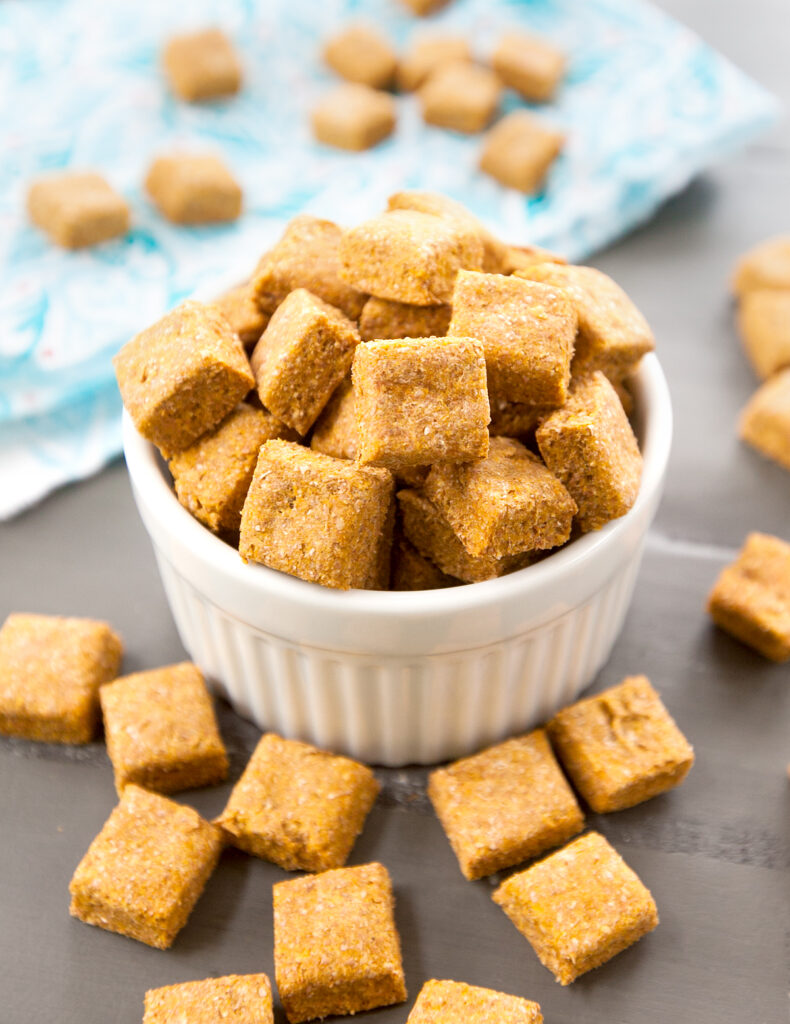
x,y
715,852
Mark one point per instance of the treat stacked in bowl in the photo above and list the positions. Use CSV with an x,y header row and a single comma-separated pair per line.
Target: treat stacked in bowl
x,y
438,500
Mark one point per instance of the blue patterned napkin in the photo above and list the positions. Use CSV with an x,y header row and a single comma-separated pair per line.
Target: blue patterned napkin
x,y
646,105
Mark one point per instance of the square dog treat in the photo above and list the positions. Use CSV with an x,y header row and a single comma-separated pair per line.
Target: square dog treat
x,y
504,805
519,150
529,65
515,419
765,421
578,907
161,731
504,504
307,256
191,188
383,319
51,669
302,356
590,446
433,537
461,96
361,54
336,947
426,55
613,335
527,333
751,598
77,209
297,806
764,325
409,256
411,571
246,998
202,65
520,257
213,475
621,747
767,265
241,310
354,117
420,400
315,517
182,376
145,870
453,1002
335,432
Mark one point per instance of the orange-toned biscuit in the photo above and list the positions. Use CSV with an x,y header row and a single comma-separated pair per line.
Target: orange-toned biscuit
x,y
531,66
241,310
412,571
361,54
77,209
450,1002
202,65
765,421
519,151
764,325
193,188
382,319
766,265
353,116
461,96
246,998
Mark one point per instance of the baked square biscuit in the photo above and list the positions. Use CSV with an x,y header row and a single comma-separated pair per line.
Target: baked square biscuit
x,y
193,188
765,421
245,998
77,209
519,151
453,1002
202,65
354,116
359,53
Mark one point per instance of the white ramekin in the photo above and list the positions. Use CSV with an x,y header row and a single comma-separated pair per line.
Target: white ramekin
x,y
399,678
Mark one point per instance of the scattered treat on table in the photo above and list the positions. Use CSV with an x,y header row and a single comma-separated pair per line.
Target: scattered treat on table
x,y
144,872
336,947
764,326
765,421
531,66
453,1002
461,96
411,571
767,265
353,116
315,517
241,310
409,256
519,150
245,998
361,54
161,730
420,401
192,188
515,419
578,907
297,806
202,65
335,431
422,8
182,376
307,256
383,320
621,747
428,53
51,669
590,446
505,805
751,597
520,257
527,331
302,356
77,209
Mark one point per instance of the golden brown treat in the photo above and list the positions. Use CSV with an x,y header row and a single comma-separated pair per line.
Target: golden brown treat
x,y
613,335
335,431
411,571
504,805
182,376
354,117
433,537
161,730
190,188
381,570
621,747
315,517
578,907
422,8
766,265
454,1002
519,257
241,310
336,948
144,872
408,256
360,54
459,95
751,597
626,397
382,320
527,333
515,419
412,476
302,356
202,65
426,55
764,325
519,150
504,504
297,806
765,421
307,256
51,669
246,998
419,401
213,475
77,209
590,446
531,66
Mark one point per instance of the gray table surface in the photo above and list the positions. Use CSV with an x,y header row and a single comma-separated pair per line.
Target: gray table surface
x,y
715,852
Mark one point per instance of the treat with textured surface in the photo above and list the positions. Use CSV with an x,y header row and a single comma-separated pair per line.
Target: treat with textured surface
x,y
353,116
240,308
454,1002
412,571
531,66
461,96
244,998
335,430
191,188
519,151
77,209
765,421
383,319
361,54
202,65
